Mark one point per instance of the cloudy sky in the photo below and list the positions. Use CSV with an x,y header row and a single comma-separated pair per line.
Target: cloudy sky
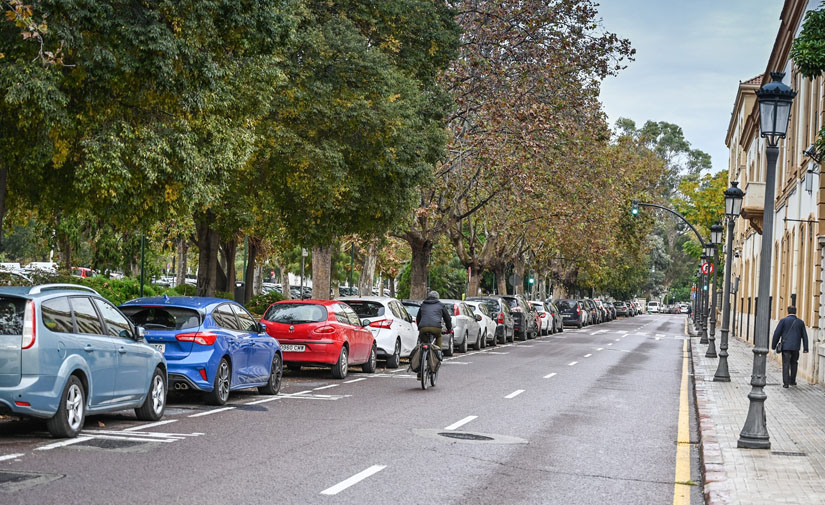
x,y
690,57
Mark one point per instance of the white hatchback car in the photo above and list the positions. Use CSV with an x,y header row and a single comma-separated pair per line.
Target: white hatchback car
x,y
547,323
395,331
488,325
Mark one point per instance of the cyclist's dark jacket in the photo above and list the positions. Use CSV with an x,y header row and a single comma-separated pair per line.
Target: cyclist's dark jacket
x,y
431,313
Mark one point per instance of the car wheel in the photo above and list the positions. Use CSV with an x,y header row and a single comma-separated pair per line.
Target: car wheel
x,y
477,345
494,342
579,326
276,372
223,381
155,402
339,371
448,351
484,339
463,347
561,328
71,411
395,360
371,364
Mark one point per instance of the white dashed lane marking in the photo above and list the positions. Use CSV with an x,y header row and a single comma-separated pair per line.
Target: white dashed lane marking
x,y
63,443
572,363
587,355
514,394
11,456
326,387
459,424
355,479
152,425
355,380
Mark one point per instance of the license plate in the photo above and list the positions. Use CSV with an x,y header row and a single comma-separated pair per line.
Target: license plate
x,y
160,347
293,348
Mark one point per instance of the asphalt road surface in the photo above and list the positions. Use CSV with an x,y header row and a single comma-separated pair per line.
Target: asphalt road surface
x,y
583,417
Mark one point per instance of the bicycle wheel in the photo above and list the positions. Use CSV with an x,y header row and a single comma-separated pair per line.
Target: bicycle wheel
x,y
425,368
433,377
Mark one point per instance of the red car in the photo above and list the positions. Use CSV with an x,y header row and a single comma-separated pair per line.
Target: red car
x,y
321,332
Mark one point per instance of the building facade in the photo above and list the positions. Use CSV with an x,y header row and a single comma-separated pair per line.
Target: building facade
x,y
799,236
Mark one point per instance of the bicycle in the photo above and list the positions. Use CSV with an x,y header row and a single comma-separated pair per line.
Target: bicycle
x,y
427,375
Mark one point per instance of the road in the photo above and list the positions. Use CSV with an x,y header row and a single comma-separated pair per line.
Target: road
x,y
583,417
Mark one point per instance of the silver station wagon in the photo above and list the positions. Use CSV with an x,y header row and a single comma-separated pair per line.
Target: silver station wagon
x,y
65,352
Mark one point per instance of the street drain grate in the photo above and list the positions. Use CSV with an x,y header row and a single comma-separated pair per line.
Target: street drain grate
x,y
466,436
252,408
109,443
18,481
787,453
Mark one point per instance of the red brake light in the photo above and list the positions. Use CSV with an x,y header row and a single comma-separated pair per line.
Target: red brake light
x,y
29,326
544,314
23,404
578,310
203,373
382,323
200,337
501,318
324,330
455,310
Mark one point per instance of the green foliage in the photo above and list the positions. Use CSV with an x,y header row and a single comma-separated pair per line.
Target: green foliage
x,y
260,303
184,290
808,51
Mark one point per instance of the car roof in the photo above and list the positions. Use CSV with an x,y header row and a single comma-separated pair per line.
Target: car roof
x,y
43,290
192,302
369,298
309,301
411,302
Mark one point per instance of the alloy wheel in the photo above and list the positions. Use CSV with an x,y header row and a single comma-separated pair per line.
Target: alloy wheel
x,y
223,380
74,407
158,394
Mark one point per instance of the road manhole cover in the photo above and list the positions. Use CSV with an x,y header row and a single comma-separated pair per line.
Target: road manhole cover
x,y
19,481
466,437
460,435
115,445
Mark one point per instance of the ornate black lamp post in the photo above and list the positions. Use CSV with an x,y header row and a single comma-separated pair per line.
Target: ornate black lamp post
x,y
733,206
775,99
715,240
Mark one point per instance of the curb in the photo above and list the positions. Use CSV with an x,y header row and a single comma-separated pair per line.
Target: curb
x,y
715,479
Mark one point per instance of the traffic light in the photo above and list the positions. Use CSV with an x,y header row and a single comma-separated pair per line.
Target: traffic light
x,y
530,281
635,210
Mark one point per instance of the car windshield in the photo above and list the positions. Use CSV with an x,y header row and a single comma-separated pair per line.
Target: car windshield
x,y
412,309
162,318
11,315
366,309
539,307
296,313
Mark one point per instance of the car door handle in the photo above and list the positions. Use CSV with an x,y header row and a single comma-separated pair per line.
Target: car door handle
x,y
89,348
121,350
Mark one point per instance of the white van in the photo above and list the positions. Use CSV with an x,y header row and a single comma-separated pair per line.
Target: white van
x,y
652,307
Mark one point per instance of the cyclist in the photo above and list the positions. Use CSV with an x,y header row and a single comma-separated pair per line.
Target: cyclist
x,y
429,318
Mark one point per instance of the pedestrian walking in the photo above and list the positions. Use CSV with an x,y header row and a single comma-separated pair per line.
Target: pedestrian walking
x,y
789,336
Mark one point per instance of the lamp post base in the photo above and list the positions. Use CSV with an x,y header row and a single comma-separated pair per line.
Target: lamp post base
x,y
754,434
711,353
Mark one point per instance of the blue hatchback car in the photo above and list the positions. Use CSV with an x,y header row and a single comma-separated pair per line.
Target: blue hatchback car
x,y
211,345
65,351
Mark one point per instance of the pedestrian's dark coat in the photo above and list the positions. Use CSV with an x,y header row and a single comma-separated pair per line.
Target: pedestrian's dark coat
x,y
792,330
431,313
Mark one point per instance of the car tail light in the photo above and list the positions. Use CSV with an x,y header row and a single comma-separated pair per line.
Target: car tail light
x,y
455,310
324,330
23,404
543,315
29,326
203,373
501,318
578,310
200,337
382,323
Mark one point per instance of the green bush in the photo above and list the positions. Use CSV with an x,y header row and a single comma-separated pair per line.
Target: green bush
x,y
183,290
117,291
224,294
258,305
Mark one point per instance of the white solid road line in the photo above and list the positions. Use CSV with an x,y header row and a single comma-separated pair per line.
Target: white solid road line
x,y
265,400
587,355
514,394
498,352
355,479
326,387
550,375
136,439
572,363
151,425
210,412
355,380
11,456
457,362
63,443
461,423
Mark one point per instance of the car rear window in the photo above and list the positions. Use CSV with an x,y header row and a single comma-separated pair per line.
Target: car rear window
x,y
162,318
566,304
511,302
366,309
296,313
11,315
412,309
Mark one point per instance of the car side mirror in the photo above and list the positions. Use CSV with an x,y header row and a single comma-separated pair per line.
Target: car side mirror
x,y
365,322
140,335
261,328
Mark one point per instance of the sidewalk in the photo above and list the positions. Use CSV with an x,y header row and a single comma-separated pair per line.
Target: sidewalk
x,y
793,470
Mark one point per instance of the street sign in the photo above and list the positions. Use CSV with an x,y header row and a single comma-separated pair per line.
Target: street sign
x,y
707,268
304,252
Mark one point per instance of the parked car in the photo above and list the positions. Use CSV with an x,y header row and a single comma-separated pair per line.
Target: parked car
x,y
466,330
394,329
652,307
611,309
211,345
572,313
622,309
631,308
595,315
558,322
525,324
545,319
485,320
66,352
321,332
605,313
500,310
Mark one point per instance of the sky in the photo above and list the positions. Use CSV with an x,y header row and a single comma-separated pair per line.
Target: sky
x,y
690,57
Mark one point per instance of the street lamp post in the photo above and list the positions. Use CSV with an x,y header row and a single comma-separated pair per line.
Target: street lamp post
x,y
715,239
703,304
775,99
733,206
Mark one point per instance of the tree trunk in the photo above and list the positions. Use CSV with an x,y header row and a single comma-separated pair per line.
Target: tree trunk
x,y
207,255
181,251
367,278
321,271
501,271
4,175
518,270
65,251
419,269
392,288
475,282
284,280
249,277
229,250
